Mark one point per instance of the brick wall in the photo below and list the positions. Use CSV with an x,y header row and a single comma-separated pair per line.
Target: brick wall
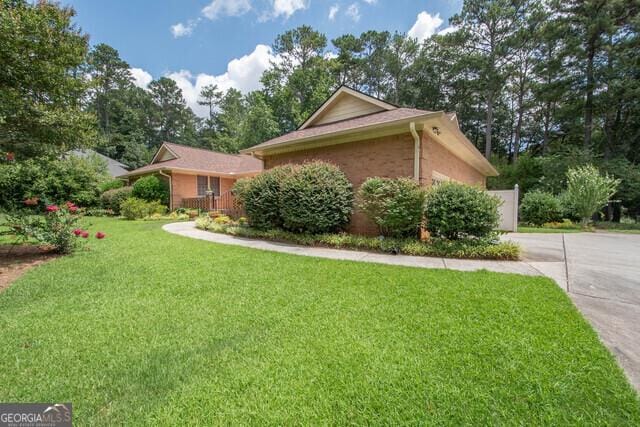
x,y
435,157
389,157
184,187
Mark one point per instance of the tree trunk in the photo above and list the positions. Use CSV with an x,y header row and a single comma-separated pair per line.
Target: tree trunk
x,y
518,131
488,125
547,125
588,105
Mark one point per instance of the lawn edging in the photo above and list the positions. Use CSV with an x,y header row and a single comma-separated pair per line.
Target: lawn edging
x,y
505,251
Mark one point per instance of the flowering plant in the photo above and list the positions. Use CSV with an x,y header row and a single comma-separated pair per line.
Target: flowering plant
x,y
56,228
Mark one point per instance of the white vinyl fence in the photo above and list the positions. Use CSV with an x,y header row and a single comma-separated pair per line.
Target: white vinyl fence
x,y
509,208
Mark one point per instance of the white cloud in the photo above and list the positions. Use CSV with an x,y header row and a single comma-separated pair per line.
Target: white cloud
x,y
333,10
287,8
370,1
449,29
242,73
181,30
354,12
226,8
140,77
425,26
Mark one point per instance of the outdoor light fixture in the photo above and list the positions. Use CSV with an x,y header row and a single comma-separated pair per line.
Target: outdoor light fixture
x,y
436,130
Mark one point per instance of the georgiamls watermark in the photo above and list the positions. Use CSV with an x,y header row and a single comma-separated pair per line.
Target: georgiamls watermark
x,y
35,415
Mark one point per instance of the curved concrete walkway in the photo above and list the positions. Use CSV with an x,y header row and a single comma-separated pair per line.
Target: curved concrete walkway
x,y
188,229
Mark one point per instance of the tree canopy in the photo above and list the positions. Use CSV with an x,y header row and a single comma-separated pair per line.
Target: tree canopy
x,y
539,87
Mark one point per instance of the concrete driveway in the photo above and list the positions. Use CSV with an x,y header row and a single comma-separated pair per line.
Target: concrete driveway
x,y
601,274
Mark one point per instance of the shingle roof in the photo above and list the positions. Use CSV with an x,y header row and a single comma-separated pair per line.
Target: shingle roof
x,y
114,167
343,125
199,159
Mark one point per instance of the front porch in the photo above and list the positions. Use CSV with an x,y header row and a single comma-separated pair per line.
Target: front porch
x,y
225,203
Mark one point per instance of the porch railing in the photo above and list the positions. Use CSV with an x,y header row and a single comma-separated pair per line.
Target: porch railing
x,y
226,203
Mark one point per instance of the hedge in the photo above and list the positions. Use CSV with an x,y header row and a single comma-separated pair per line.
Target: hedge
x,y
457,211
395,205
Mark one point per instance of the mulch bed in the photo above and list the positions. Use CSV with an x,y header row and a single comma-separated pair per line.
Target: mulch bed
x,y
15,260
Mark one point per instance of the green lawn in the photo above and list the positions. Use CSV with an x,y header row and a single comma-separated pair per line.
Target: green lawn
x,y
152,328
527,229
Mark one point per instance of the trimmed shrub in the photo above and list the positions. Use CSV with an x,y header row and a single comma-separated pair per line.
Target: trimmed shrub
x,y
454,211
260,196
112,199
134,208
396,205
151,188
569,210
316,198
539,207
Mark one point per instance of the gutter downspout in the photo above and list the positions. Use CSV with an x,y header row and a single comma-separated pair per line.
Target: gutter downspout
x,y
416,151
170,189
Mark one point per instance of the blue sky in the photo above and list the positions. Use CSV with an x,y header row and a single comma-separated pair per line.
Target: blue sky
x,y
227,42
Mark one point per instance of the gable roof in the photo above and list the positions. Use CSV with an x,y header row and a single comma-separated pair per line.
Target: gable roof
x,y
394,116
199,160
354,103
326,127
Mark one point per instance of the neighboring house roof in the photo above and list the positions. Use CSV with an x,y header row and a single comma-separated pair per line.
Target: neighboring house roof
x,y
198,160
114,167
349,115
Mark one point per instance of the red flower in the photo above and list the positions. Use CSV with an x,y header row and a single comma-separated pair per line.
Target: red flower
x,y
10,156
73,209
70,204
77,231
52,208
32,201
85,234
100,235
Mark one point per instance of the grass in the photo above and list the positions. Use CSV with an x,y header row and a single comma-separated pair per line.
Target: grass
x,y
149,328
529,229
611,227
618,227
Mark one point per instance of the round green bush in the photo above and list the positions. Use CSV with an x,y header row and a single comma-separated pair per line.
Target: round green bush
x,y
260,197
539,207
112,199
568,208
396,205
454,211
316,198
151,188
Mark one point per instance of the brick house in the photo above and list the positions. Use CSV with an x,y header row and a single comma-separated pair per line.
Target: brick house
x,y
367,137
198,178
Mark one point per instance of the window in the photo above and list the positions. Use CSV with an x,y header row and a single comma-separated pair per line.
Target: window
x,y
203,185
206,183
